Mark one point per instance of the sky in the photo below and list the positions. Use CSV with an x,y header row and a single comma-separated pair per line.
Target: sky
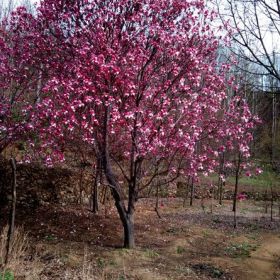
x,y
271,35
16,2
272,40
8,5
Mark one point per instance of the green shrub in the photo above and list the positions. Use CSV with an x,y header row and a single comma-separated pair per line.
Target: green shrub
x,y
239,250
7,275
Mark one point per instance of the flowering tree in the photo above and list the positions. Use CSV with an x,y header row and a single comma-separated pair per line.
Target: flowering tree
x,y
17,88
137,81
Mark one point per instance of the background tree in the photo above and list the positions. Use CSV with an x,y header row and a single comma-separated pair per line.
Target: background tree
x,y
256,37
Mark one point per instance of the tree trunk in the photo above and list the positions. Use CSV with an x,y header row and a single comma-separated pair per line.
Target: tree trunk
x,y
128,226
12,213
94,197
192,193
265,203
95,206
278,207
221,181
126,215
212,199
271,206
157,202
221,192
187,192
127,220
202,203
80,200
219,189
236,188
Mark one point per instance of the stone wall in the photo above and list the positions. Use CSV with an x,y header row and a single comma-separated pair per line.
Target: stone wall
x,y
37,184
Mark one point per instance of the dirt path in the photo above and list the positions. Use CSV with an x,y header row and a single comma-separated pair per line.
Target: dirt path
x,y
262,263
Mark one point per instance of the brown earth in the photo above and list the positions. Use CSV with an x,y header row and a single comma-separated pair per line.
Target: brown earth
x,y
69,242
263,262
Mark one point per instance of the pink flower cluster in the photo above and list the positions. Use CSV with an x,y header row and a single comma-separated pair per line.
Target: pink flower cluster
x,y
241,196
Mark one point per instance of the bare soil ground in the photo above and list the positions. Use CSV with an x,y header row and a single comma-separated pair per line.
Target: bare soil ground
x,y
69,242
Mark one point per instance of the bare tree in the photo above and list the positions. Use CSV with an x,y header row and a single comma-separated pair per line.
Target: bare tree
x,y
7,6
256,35
256,26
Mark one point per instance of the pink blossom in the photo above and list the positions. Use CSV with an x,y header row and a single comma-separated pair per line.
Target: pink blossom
x,y
241,196
258,171
248,173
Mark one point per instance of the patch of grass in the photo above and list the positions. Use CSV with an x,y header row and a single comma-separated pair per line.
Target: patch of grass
x,y
64,258
19,251
217,273
209,270
264,181
123,251
180,250
240,250
253,236
101,263
184,270
244,210
151,253
7,275
173,230
254,227
206,233
50,237
217,220
113,263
